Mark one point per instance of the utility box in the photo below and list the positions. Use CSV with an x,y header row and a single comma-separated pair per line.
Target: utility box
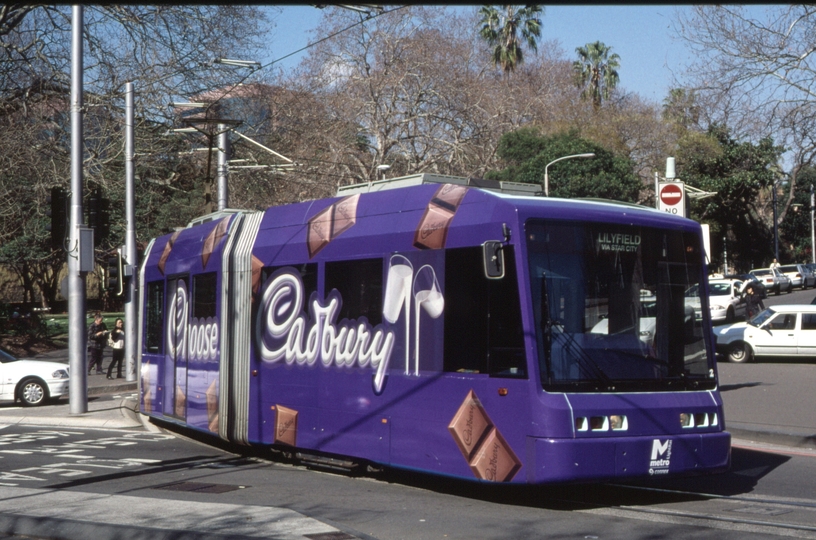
x,y
86,249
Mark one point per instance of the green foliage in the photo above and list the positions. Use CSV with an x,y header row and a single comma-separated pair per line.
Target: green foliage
x,y
596,72
740,173
500,28
606,176
795,230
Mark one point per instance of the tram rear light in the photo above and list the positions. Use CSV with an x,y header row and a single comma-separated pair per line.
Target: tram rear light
x,y
502,391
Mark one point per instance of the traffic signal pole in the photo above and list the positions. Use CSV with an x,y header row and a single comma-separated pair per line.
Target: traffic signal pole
x,y
131,298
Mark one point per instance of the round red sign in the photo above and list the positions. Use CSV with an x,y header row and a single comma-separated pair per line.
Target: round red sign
x,y
671,194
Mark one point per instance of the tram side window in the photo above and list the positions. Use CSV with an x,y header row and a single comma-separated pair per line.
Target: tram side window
x,y
360,284
204,295
308,276
154,310
483,332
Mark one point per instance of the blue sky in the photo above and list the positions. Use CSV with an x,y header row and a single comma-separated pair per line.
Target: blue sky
x,y
652,59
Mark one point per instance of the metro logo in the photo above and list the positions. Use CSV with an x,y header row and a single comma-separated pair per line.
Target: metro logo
x,y
658,448
661,457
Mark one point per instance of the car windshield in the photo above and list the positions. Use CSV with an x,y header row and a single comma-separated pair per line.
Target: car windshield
x,y
617,307
719,289
6,357
762,317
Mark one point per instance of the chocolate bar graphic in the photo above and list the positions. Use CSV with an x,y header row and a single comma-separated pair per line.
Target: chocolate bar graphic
x,y
212,407
345,215
449,196
330,223
257,266
487,453
211,242
432,231
181,402
285,425
168,247
470,425
495,460
319,231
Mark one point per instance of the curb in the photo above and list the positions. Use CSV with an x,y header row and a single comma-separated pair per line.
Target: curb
x,y
783,437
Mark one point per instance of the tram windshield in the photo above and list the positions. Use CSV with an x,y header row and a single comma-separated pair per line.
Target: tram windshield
x,y
617,307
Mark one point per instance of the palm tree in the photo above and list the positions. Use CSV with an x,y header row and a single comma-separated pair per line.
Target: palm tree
x,y
500,28
596,71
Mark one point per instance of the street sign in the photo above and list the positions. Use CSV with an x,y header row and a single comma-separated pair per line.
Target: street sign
x,y
672,198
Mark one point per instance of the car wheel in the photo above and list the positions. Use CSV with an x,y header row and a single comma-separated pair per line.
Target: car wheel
x,y
777,290
739,353
729,315
32,392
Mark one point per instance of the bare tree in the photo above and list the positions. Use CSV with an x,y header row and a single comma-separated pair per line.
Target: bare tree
x,y
755,74
167,51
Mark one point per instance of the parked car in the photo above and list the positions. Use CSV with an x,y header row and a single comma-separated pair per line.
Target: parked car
x,y
799,275
773,279
746,279
783,330
725,300
31,381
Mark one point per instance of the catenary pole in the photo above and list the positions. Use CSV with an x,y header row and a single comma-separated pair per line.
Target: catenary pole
x,y
77,336
223,153
131,297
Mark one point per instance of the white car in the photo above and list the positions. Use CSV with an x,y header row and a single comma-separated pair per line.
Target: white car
x,y
725,300
31,381
799,275
784,330
773,279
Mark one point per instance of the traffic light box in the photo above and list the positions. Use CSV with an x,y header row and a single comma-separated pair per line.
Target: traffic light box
x,y
58,212
114,283
98,215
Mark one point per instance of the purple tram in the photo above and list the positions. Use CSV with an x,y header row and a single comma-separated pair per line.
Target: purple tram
x,y
440,327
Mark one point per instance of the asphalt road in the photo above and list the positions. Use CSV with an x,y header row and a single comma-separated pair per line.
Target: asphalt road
x,y
134,484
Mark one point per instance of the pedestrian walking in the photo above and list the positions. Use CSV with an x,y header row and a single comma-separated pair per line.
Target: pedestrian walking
x,y
97,338
753,303
117,343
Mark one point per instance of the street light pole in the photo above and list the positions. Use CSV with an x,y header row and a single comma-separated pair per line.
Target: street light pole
x,y
776,228
547,166
812,231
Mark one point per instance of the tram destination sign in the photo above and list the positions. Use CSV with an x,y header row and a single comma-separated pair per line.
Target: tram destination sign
x,y
672,198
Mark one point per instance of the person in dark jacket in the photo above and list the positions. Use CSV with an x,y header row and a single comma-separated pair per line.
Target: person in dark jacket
x,y
97,337
753,303
117,338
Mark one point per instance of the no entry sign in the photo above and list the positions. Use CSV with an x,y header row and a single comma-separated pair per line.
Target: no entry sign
x,y
672,198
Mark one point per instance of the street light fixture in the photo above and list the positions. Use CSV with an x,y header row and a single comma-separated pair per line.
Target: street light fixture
x,y
546,175
252,64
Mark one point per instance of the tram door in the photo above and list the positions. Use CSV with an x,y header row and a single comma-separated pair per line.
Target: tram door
x,y
175,368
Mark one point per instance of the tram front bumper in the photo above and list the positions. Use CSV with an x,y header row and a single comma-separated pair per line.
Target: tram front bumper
x,y
585,459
